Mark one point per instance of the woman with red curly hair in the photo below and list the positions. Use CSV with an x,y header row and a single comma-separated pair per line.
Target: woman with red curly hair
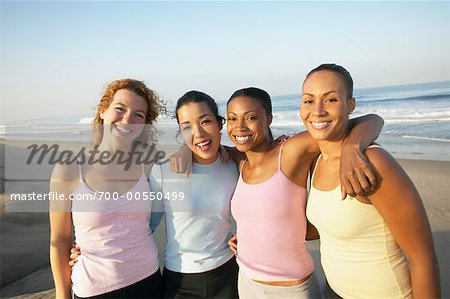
x,y
119,256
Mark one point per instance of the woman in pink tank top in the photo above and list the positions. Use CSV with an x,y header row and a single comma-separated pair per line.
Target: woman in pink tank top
x,y
269,202
103,203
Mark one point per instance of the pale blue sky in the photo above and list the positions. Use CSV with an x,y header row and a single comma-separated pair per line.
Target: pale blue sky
x,y
57,56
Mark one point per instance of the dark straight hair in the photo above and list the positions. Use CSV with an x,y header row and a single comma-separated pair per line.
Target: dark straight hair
x,y
195,96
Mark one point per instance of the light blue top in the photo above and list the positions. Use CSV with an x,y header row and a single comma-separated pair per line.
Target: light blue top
x,y
199,226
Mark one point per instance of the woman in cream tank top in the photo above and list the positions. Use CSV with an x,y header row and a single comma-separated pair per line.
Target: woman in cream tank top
x,y
373,246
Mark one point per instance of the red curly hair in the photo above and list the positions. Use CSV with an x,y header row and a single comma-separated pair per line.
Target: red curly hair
x,y
154,105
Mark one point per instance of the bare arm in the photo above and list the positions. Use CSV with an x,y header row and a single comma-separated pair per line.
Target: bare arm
x,y
355,172
401,207
181,161
60,245
232,243
61,233
311,232
236,155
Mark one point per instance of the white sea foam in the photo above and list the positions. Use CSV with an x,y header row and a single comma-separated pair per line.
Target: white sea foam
x,y
426,138
393,116
415,120
86,120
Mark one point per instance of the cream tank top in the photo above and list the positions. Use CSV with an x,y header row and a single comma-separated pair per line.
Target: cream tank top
x,y
117,246
359,254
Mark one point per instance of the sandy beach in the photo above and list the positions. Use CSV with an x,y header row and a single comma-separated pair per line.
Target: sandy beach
x,y
25,271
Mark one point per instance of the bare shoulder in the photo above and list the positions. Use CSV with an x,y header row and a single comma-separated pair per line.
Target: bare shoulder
x,y
301,144
63,181
149,157
382,160
65,177
391,176
65,172
151,153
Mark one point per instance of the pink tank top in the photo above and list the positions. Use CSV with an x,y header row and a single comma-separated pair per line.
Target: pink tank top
x,y
117,246
271,228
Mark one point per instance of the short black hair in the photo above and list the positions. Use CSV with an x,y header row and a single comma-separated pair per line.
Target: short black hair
x,y
258,94
337,69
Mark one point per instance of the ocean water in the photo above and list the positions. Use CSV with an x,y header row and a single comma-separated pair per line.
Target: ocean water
x,y
417,120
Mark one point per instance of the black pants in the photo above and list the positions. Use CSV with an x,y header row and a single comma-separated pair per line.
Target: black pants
x,y
150,287
217,283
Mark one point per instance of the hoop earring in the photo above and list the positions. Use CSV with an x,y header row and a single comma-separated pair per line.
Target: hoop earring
x,y
176,138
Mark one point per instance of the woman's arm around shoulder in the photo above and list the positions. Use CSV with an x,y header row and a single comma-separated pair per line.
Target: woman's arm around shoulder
x,y
364,130
236,155
63,181
298,153
355,173
302,144
401,207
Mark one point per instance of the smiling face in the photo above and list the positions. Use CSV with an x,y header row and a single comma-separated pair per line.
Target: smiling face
x,y
247,123
125,116
325,106
200,130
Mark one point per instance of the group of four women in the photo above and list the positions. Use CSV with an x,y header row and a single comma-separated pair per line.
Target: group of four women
x,y
376,243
